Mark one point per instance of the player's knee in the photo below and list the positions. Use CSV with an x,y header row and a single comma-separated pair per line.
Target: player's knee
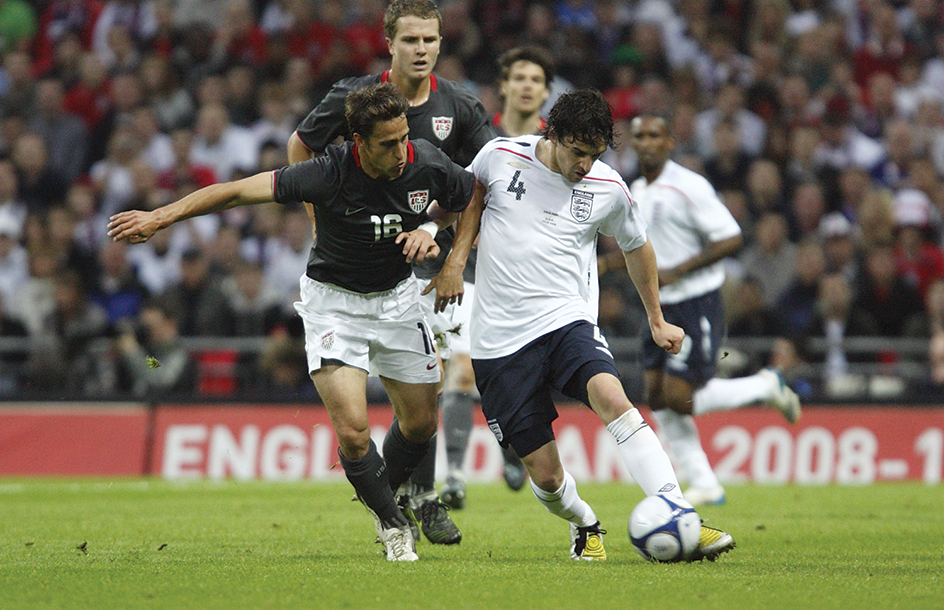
x,y
354,442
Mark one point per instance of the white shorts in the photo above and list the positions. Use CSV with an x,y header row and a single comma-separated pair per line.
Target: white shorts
x,y
450,327
383,333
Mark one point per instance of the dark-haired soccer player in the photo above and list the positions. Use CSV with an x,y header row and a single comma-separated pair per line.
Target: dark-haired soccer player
x,y
360,302
525,74
533,327
448,116
694,232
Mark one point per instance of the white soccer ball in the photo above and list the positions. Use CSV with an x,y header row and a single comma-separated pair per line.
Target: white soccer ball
x,y
664,529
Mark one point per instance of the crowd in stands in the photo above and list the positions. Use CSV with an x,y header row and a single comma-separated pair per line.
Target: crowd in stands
x,y
819,122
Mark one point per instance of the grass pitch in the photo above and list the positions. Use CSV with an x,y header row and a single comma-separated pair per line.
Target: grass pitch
x,y
122,543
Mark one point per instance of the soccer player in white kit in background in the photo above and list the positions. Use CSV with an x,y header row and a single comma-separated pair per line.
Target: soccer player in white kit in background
x,y
691,230
540,202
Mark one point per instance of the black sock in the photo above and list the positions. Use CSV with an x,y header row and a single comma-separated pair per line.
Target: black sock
x,y
457,425
424,475
368,475
401,455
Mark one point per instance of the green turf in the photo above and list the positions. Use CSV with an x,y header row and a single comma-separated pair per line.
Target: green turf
x,y
154,544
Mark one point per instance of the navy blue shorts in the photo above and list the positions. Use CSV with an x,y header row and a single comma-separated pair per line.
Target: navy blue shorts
x,y
702,318
517,389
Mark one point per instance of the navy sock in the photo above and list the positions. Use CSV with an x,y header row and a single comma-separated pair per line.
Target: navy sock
x,y
368,475
401,455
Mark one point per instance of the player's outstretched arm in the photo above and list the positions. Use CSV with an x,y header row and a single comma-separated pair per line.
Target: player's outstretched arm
x,y
138,226
448,282
641,264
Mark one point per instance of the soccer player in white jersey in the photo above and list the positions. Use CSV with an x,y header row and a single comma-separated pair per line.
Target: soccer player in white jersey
x,y
540,202
691,230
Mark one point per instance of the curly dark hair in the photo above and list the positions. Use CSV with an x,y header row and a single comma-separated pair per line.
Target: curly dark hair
x,y
535,55
365,108
583,115
424,9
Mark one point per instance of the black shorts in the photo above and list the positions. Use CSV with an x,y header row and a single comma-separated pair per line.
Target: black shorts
x,y
702,319
517,389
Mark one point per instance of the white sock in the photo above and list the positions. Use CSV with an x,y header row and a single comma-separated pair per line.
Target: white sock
x,y
566,503
682,435
643,455
725,394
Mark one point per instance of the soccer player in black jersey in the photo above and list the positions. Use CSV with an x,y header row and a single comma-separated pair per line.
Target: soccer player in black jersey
x,y
360,303
448,116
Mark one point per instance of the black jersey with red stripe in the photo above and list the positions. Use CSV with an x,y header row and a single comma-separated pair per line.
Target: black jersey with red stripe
x,y
359,217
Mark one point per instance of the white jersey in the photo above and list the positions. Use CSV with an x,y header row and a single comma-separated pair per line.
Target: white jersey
x,y
537,244
684,213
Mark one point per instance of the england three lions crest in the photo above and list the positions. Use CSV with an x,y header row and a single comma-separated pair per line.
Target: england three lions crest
x,y
581,203
418,200
442,126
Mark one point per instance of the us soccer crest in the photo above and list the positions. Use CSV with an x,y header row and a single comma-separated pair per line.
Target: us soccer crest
x,y
442,126
327,341
581,202
418,200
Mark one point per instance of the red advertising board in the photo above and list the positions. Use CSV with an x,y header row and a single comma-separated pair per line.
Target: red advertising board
x,y
88,440
843,445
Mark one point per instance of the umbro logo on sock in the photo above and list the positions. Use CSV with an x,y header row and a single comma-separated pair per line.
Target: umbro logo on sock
x,y
667,488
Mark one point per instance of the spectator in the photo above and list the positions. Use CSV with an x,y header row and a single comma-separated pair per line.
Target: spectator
x,y
797,307
750,316
117,290
34,301
919,260
112,177
221,145
839,247
771,257
729,163
10,205
253,308
66,356
160,86
838,317
156,366
64,133
895,305
197,298
14,260
40,187
13,362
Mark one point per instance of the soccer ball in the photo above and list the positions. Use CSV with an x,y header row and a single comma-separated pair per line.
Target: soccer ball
x,y
664,529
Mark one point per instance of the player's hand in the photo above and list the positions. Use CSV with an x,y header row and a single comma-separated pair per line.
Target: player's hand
x,y
449,288
137,226
417,245
667,336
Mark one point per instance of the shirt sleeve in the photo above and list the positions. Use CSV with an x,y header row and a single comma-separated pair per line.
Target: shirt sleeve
x,y
460,187
709,215
625,222
314,181
477,129
326,122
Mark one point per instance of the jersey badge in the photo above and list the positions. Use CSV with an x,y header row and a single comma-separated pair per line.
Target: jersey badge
x,y
496,429
581,202
418,200
442,126
327,341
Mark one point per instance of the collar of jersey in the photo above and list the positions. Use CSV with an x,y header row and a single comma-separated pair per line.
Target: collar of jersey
x,y
357,156
432,79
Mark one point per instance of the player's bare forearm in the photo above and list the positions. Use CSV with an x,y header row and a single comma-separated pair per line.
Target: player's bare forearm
x,y
467,230
641,265
448,283
711,254
138,226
